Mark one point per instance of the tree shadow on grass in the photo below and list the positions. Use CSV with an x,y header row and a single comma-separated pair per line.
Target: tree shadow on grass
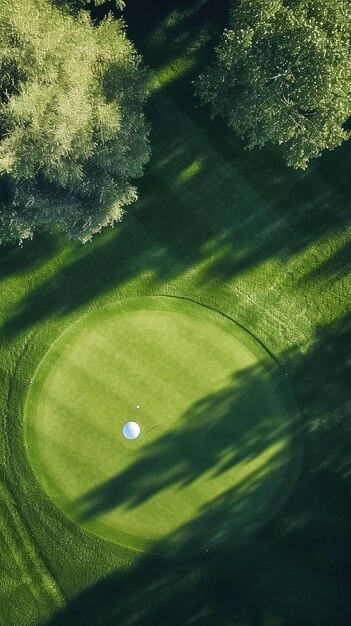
x,y
294,571
201,196
171,22
215,217
240,424
203,200
244,221
285,211
139,247
336,267
18,260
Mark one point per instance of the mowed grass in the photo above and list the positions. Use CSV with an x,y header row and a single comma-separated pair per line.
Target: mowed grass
x,y
269,247
171,358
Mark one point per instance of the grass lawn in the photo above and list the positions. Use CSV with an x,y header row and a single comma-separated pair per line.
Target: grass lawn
x,y
222,416
239,233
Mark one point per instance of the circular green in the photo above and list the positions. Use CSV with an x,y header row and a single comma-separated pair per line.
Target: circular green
x,y
217,445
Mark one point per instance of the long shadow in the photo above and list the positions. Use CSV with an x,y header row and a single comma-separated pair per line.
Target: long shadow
x,y
155,236
150,20
295,571
336,267
237,424
248,207
291,210
139,246
266,210
170,228
17,260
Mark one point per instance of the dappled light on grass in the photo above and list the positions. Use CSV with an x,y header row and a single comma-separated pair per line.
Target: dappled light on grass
x,y
257,464
174,70
183,47
333,262
242,220
191,170
303,553
253,451
242,235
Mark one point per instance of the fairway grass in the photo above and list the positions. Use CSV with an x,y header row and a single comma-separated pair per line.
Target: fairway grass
x,y
224,422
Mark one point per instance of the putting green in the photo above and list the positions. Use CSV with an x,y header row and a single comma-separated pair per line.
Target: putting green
x,y
217,443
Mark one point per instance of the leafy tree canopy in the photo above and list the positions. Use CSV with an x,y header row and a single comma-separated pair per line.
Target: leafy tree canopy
x,y
282,75
72,129
77,5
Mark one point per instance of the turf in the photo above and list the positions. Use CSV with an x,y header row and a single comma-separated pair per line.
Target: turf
x,y
176,360
270,248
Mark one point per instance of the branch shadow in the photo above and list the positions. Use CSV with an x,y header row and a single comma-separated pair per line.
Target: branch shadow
x,y
165,18
336,267
16,260
236,425
203,201
217,218
293,571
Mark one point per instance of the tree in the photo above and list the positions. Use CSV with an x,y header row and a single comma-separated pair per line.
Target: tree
x,y
72,128
77,5
282,75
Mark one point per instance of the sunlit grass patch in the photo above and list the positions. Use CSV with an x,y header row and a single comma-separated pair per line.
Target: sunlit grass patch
x,y
171,72
173,19
191,170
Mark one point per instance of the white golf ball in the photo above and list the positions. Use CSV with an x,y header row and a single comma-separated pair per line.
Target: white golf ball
x,y
131,430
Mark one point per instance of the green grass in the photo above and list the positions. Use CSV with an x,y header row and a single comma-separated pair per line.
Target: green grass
x,y
270,248
223,422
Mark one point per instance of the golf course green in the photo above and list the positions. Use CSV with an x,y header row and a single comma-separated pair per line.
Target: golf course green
x,y
162,362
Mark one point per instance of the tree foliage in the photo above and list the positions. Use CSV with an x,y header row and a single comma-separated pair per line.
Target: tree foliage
x,y
282,75
77,5
72,129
